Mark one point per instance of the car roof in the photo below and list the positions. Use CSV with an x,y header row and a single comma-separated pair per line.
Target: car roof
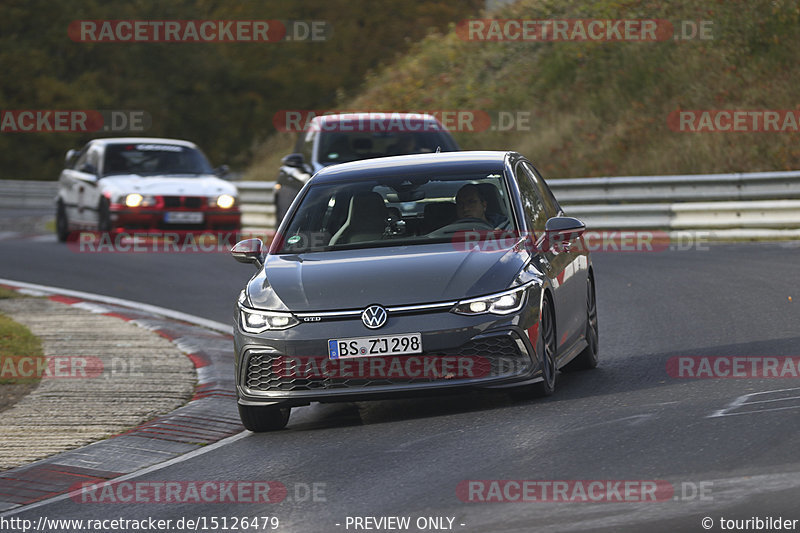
x,y
142,140
442,162
375,116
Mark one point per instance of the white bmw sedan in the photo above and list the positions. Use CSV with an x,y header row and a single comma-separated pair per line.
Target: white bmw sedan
x,y
143,184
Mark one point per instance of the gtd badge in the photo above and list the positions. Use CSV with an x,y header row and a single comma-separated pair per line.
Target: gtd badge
x,y
374,316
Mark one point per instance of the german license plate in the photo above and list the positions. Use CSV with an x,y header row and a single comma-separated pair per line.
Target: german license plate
x,y
378,345
183,217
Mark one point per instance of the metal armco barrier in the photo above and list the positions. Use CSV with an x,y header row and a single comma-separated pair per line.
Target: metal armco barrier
x,y
761,204
23,194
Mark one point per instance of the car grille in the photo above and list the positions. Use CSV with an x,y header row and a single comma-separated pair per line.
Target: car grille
x,y
189,202
492,356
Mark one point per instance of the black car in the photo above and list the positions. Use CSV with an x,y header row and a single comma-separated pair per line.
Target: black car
x,y
339,138
414,274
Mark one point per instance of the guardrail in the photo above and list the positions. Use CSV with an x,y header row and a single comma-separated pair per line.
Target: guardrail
x,y
761,203
21,194
681,188
761,200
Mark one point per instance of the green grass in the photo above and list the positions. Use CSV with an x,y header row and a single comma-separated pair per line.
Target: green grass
x,y
601,108
16,342
6,293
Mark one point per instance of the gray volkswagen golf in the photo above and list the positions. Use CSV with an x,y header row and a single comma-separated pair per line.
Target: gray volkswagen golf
x,y
412,275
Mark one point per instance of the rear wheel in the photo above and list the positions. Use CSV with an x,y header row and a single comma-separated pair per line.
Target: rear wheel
x,y
546,348
587,359
62,223
259,419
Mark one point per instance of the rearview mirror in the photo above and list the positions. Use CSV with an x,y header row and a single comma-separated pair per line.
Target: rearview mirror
x,y
249,251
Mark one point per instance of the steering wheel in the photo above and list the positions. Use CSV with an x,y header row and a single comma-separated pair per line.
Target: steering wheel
x,y
462,224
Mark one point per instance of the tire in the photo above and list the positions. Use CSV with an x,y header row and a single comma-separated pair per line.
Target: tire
x,y
103,216
260,419
546,347
588,359
62,223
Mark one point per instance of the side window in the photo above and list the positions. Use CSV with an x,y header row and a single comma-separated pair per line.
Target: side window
x,y
306,146
550,204
81,159
94,158
531,201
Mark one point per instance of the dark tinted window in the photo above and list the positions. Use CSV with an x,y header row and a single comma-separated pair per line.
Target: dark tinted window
x,y
149,159
545,194
532,203
340,147
397,210
305,145
82,158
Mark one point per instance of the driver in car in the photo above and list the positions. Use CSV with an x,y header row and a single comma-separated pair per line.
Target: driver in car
x,y
470,203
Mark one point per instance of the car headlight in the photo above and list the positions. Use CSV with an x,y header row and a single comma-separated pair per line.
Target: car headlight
x,y
254,321
224,201
137,200
134,200
502,303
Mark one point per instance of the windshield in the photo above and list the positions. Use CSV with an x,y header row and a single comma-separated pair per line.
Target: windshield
x,y
154,159
397,210
340,147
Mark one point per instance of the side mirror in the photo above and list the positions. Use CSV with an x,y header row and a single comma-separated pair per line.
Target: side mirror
x,y
249,251
69,157
561,231
88,168
223,171
295,160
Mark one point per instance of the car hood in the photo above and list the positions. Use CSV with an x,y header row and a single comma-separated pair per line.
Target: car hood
x,y
172,185
353,279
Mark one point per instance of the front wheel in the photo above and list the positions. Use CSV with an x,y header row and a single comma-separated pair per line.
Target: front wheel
x,y
546,349
587,359
259,419
104,216
62,223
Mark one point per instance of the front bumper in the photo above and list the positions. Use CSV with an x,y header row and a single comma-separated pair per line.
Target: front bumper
x,y
292,367
154,220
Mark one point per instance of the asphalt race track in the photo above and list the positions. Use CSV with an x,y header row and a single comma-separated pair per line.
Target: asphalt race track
x,y
724,454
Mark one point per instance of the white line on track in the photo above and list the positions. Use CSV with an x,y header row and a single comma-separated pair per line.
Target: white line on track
x,y
147,308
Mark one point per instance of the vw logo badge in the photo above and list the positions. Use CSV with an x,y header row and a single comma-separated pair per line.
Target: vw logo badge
x,y
374,316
